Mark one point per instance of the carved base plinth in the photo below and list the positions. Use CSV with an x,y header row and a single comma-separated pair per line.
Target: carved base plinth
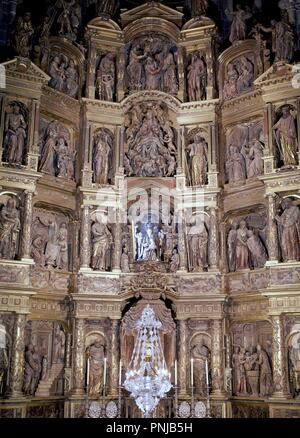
x,y
280,396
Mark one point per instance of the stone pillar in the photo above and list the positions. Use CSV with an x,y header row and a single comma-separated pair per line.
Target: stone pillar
x,y
280,377
121,148
298,128
223,260
68,349
3,99
182,247
27,221
85,244
79,359
117,243
213,239
16,371
181,76
91,73
269,155
115,358
272,234
217,368
182,358
33,149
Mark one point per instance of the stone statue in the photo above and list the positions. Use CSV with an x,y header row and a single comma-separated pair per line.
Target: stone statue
x,y
168,71
64,75
125,260
283,38
38,250
294,355
289,235
57,74
246,74
101,242
71,79
230,84
286,137
15,136
62,158
69,19
62,241
197,78
135,68
200,354
48,152
59,345
52,248
238,25
95,354
198,244
197,8
153,74
251,366
10,226
103,144
23,35
175,261
198,152
149,248
231,244
235,165
258,253
32,371
44,374
265,378
106,78
242,251
255,155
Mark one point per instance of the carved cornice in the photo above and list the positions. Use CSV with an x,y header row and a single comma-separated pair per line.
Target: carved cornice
x,y
146,96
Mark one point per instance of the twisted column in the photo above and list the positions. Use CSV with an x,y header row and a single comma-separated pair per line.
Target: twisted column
x,y
26,234
16,372
79,358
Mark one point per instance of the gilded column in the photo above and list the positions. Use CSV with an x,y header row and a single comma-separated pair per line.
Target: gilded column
x,y
26,233
85,251
16,372
3,99
217,369
280,378
182,249
79,358
223,260
115,358
117,243
213,240
182,358
272,229
298,125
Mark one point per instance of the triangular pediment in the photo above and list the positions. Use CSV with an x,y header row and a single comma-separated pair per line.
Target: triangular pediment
x,y
28,70
152,9
277,71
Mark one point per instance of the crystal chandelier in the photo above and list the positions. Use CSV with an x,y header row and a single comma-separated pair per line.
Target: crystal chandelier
x,y
147,378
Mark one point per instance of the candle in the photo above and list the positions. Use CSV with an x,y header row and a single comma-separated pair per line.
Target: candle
x,y
192,372
206,373
88,372
120,374
176,381
104,377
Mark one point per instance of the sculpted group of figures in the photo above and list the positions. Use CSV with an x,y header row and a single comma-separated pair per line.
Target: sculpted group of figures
x,y
37,366
245,161
152,65
64,75
252,372
49,245
239,77
246,248
157,243
57,158
150,142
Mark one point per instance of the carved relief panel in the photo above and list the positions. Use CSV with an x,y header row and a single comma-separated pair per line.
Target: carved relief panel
x,y
252,359
239,76
106,79
150,142
246,242
152,65
51,239
57,150
245,145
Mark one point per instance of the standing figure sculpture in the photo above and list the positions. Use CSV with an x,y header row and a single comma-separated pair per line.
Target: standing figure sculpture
x,y
265,378
294,355
175,261
200,354
235,165
101,157
169,74
231,244
197,78
125,260
106,78
59,345
101,242
95,355
286,137
198,243
238,26
242,250
198,152
289,231
23,35
62,241
255,155
135,69
10,226
72,80
15,136
258,253
33,368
